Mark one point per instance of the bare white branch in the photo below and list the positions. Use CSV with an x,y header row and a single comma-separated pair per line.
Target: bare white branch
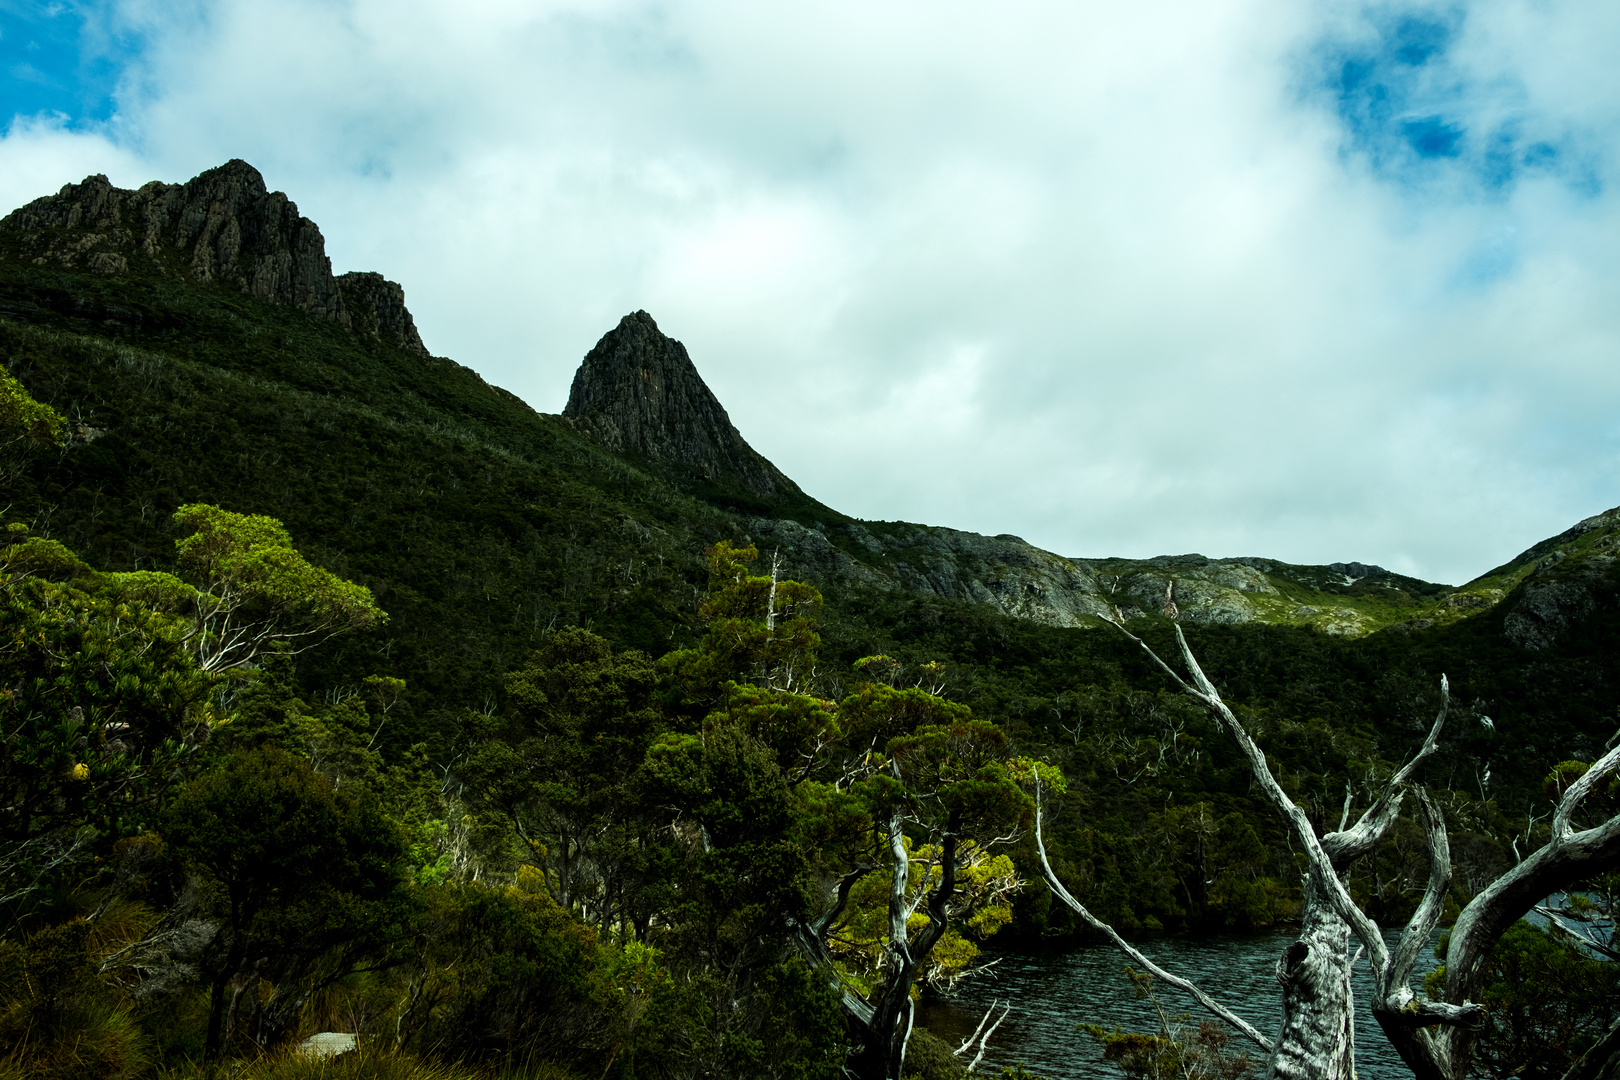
x,y
1243,1026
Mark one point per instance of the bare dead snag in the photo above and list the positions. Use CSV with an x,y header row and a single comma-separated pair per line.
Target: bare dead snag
x,y
1569,857
1316,1039
1434,1038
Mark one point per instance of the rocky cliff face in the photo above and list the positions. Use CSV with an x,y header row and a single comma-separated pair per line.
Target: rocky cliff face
x,y
1554,586
1026,582
638,392
376,308
222,226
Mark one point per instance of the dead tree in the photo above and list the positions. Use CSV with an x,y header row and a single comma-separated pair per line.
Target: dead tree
x,y
1434,1038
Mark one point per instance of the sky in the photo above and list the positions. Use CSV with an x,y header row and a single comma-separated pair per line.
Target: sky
x,y
1314,280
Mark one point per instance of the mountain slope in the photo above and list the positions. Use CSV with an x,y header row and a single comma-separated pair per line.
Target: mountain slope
x,y
139,263
247,375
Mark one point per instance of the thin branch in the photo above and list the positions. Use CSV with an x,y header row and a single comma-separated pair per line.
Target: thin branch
x,y
1427,916
841,898
1578,791
1243,1026
1562,920
971,1039
984,1043
1343,845
1322,866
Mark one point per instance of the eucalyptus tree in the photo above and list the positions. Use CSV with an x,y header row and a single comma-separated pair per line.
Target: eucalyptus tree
x,y
304,882
940,790
250,590
1435,1038
26,426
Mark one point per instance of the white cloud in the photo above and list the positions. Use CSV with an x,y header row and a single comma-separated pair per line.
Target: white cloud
x,y
38,154
1117,278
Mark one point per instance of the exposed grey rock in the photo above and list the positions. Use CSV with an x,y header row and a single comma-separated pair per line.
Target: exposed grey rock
x,y
327,1044
1544,610
221,226
377,308
1570,577
1018,578
638,392
809,556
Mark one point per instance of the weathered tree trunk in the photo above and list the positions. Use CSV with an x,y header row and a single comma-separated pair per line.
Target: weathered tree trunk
x,y
1317,1040
1427,1051
882,1051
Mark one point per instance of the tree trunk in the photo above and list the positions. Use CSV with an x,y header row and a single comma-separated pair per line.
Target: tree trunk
x,y
882,1050
1317,1041
883,1047
234,955
1427,1051
216,1016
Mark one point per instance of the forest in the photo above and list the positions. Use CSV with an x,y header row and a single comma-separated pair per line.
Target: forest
x,y
341,692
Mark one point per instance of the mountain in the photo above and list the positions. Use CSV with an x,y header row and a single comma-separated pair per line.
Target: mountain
x,y
204,351
224,226
639,395
1546,592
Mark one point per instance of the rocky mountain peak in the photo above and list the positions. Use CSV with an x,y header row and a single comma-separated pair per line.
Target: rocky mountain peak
x,y
223,226
638,392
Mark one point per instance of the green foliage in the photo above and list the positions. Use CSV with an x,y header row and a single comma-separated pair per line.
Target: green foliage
x,y
558,780
22,419
254,590
100,710
1546,1001
758,629
1018,1072
59,1020
476,523
985,883
504,974
375,1062
26,427
741,876
305,880
928,1057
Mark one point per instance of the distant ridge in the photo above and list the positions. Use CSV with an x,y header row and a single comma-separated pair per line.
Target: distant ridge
x,y
638,392
221,226
162,267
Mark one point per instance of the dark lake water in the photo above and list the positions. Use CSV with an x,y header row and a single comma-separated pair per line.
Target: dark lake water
x,y
1051,992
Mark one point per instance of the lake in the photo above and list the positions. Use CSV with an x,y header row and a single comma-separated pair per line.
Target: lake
x,y
1052,991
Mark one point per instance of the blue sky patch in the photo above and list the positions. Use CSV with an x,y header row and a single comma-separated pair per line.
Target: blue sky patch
x,y
56,58
1432,137
1417,117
